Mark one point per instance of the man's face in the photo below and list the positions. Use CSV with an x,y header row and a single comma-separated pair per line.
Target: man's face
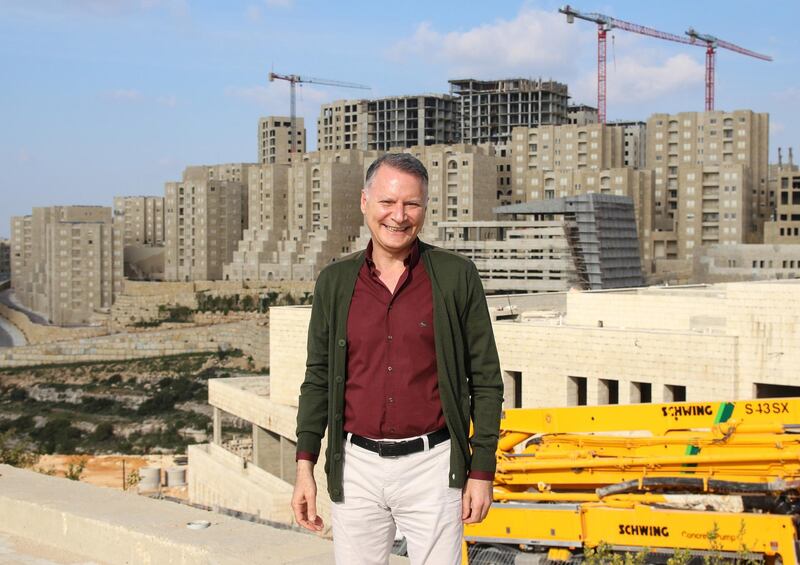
x,y
394,207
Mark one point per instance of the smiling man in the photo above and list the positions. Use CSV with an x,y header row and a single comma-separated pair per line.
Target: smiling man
x,y
401,358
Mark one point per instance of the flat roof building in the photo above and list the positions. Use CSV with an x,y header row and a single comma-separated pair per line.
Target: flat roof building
x,y
67,262
275,139
385,123
490,109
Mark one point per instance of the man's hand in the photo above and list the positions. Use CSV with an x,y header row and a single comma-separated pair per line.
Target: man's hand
x,y
304,498
475,501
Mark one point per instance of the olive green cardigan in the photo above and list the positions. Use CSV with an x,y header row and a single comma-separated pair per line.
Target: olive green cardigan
x,y
470,385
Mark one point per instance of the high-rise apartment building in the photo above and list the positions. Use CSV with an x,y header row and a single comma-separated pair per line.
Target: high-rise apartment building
x,y
711,182
203,224
463,183
386,123
275,139
268,188
5,259
67,262
490,109
141,219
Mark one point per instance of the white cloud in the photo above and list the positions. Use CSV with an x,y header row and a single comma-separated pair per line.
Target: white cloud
x,y
641,79
535,43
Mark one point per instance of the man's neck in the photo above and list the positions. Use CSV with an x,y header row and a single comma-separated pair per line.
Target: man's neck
x,y
386,261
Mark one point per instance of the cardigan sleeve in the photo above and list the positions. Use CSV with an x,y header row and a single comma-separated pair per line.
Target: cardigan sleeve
x,y
312,411
485,380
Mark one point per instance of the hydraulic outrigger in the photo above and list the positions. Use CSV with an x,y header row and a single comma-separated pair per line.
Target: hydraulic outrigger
x,y
703,478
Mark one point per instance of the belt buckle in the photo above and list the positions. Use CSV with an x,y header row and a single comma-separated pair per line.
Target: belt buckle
x,y
389,448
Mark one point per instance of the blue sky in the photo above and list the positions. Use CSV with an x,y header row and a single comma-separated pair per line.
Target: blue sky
x,y
102,98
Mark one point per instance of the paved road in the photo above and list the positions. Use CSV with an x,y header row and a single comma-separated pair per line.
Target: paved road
x,y
5,298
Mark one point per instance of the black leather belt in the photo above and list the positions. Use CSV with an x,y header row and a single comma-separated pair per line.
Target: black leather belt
x,y
400,448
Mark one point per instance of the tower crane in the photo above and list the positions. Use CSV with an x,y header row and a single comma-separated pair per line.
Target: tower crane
x,y
293,81
607,23
604,25
711,49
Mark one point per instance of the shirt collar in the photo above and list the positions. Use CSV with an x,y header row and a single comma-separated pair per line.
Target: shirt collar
x,y
410,261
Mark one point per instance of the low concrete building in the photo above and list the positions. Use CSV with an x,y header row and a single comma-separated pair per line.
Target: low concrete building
x,y
746,262
697,343
600,234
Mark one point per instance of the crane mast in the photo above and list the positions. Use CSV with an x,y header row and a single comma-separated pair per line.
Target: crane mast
x,y
293,81
711,51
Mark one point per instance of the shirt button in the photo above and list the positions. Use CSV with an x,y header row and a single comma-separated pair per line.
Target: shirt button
x,y
389,369
339,378
342,343
392,430
337,456
390,400
389,337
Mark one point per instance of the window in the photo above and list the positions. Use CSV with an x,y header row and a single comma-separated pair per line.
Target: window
x,y
608,392
576,391
641,393
674,393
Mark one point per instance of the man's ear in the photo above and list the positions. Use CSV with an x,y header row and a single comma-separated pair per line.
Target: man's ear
x,y
364,201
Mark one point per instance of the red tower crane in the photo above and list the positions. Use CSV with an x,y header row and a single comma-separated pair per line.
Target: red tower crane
x,y
711,49
605,24
294,80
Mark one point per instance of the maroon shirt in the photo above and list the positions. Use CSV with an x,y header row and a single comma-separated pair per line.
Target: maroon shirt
x,y
392,387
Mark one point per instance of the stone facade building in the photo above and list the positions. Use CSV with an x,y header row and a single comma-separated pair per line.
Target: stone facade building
x,y
695,344
711,186
203,221
67,262
141,219
275,139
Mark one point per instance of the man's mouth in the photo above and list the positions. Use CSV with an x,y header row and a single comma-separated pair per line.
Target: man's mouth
x,y
395,229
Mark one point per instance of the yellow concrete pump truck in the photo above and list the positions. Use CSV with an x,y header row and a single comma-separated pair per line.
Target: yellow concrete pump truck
x,y
687,482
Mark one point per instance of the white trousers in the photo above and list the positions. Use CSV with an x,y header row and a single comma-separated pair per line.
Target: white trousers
x,y
411,493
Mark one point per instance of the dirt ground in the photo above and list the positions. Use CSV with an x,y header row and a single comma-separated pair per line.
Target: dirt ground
x,y
107,470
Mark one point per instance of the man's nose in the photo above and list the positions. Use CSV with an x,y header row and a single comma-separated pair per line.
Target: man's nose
x,y
398,213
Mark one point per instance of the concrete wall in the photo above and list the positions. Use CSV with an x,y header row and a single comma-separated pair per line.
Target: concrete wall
x,y
38,333
107,526
288,352
547,355
220,478
252,337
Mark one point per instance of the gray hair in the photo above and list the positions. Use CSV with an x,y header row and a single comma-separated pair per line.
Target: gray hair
x,y
405,162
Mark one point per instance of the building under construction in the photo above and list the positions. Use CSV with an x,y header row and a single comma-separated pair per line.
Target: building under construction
x,y
491,108
586,242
